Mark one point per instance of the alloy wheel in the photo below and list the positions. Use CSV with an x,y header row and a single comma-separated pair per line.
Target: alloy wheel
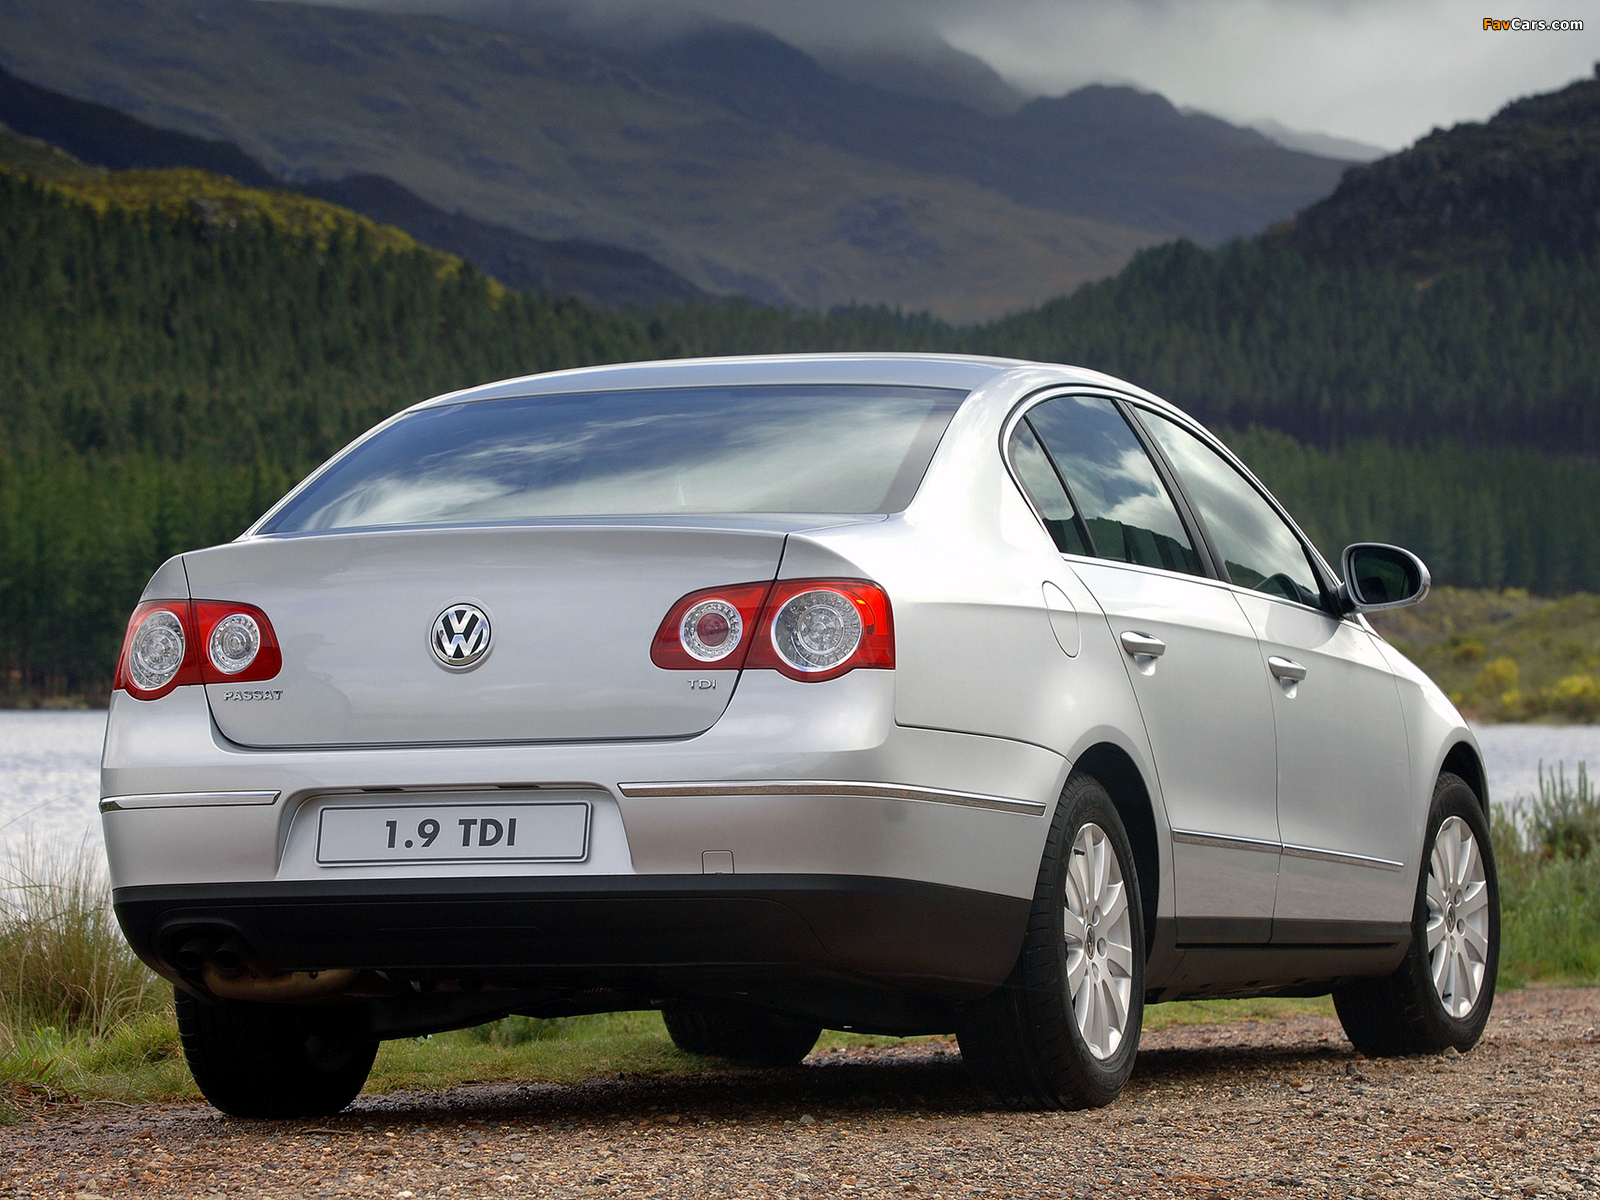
x,y
1458,917
1099,936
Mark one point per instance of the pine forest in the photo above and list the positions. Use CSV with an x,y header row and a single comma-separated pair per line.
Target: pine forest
x,y
167,372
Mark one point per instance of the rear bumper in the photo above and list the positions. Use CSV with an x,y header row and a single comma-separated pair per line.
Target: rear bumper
x,y
654,936
795,780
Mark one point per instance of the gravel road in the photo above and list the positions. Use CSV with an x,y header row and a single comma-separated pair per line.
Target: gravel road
x,y
1253,1109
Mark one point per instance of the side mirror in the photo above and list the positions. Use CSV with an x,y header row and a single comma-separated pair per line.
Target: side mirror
x,y
1377,576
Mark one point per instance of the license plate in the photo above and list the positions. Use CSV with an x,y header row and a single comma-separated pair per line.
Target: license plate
x,y
454,833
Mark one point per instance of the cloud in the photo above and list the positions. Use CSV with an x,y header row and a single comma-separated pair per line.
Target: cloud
x,y
1372,70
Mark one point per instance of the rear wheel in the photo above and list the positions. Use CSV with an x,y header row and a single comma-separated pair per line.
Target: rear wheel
x,y
1441,993
1063,1030
748,1036
273,1060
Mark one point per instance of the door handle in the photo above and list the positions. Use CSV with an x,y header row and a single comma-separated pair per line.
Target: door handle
x,y
1143,645
1285,668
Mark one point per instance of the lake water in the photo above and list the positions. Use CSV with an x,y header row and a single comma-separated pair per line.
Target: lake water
x,y
50,766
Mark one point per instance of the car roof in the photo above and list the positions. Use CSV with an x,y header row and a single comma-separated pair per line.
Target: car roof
x,y
961,371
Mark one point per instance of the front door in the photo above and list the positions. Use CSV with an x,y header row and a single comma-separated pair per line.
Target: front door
x,y
1343,757
1350,844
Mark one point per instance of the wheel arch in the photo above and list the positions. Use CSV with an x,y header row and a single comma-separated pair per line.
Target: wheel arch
x,y
1461,759
1120,776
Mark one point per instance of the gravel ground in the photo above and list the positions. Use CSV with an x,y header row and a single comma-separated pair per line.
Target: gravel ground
x,y
1253,1109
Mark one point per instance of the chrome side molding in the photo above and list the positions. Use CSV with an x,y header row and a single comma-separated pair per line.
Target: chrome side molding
x,y
1223,841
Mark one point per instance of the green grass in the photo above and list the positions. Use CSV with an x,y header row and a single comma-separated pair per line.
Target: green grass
x,y
77,1009
564,1051
1549,860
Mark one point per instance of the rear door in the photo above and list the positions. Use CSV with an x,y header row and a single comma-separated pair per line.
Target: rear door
x,y
1193,662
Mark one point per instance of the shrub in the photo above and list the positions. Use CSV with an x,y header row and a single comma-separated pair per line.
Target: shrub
x,y
1546,848
64,963
1497,684
1564,822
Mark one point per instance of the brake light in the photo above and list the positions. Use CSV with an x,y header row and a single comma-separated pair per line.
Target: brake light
x,y
171,643
807,629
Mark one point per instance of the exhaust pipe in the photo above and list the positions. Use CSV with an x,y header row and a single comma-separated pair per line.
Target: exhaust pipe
x,y
192,955
231,958
233,972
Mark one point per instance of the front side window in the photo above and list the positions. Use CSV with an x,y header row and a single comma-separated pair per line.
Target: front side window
x,y
1125,507
767,449
1258,547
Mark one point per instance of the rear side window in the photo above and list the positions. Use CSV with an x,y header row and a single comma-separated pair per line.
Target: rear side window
x,y
1114,485
779,449
1044,486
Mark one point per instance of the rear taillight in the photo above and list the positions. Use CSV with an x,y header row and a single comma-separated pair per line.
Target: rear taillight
x,y
710,629
158,652
170,643
807,629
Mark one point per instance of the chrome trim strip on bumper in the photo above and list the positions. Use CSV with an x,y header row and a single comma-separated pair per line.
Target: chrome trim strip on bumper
x,y
186,800
1225,842
832,787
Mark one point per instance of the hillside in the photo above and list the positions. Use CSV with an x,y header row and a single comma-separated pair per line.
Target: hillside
x,y
1489,348
1113,154
178,348
1506,655
210,203
608,276
746,169
1523,184
164,377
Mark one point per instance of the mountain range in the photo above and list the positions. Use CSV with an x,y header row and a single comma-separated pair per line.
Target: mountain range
x,y
1524,183
734,161
1413,359
100,136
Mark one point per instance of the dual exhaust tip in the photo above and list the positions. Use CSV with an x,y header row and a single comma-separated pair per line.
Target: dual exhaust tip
x,y
229,957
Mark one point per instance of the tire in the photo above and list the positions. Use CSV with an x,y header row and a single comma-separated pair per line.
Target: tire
x,y
750,1037
1409,1012
273,1060
1049,1037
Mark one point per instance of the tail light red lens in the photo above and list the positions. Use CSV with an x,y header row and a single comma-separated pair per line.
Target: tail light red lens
x,y
214,619
171,643
808,629
710,630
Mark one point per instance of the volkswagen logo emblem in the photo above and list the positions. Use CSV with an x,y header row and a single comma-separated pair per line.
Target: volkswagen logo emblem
x,y
460,636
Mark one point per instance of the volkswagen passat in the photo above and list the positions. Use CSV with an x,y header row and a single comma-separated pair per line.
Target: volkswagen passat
x,y
895,693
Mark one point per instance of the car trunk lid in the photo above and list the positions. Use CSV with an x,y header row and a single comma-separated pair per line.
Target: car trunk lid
x,y
572,610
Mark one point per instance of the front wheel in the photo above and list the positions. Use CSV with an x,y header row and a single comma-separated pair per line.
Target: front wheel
x,y
1063,1030
1441,993
273,1060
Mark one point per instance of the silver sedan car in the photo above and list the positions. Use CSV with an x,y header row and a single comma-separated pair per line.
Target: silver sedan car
x,y
896,693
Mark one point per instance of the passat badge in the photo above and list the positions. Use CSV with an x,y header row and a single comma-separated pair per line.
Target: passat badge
x,y
460,636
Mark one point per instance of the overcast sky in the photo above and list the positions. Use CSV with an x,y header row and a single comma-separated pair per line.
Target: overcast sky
x,y
1379,71
1382,71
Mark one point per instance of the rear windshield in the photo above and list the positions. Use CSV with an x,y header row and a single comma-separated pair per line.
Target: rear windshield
x,y
778,449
